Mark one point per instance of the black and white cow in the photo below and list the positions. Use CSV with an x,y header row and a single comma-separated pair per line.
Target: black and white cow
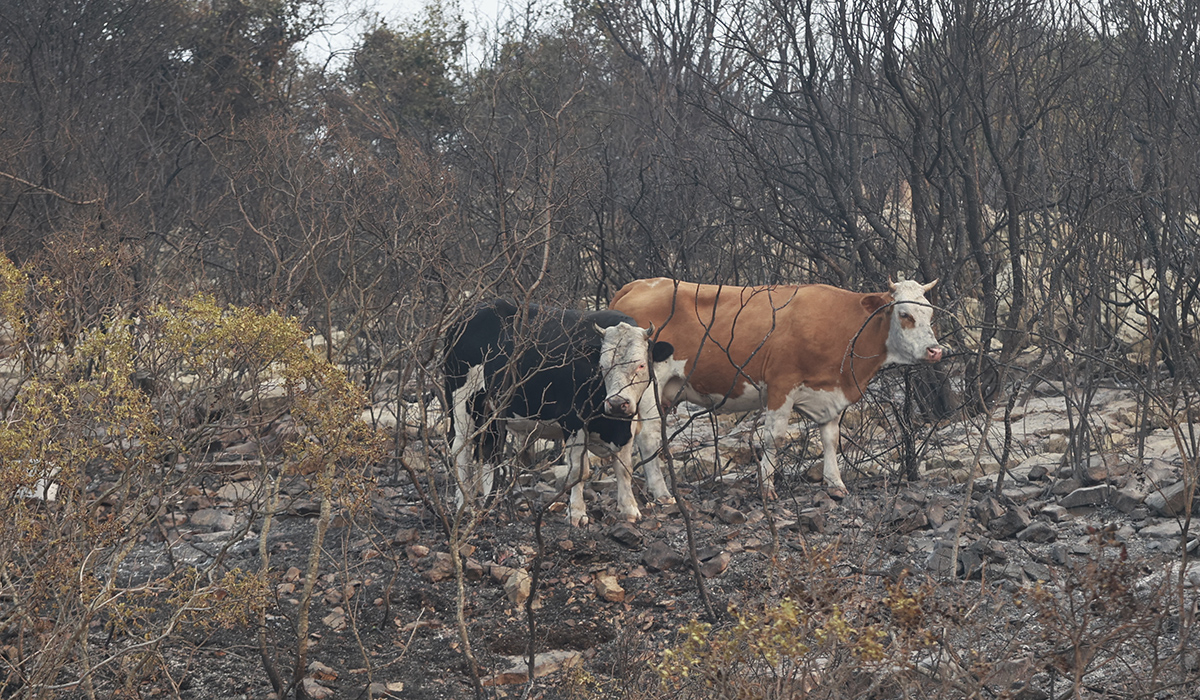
x,y
550,373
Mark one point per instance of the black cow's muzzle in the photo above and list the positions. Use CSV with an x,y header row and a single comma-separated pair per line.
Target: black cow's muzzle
x,y
619,406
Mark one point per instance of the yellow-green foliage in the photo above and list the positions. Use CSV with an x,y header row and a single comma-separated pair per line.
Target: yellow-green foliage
x,y
104,425
791,648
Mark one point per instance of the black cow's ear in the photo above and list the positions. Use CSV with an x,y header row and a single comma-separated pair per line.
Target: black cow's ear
x,y
661,351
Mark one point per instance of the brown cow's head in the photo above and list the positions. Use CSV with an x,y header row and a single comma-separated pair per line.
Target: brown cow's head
x,y
910,338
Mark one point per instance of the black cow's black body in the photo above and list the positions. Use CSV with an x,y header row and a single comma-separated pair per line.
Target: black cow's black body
x,y
542,366
555,377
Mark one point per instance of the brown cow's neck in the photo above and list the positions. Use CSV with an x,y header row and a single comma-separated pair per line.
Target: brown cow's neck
x,y
868,355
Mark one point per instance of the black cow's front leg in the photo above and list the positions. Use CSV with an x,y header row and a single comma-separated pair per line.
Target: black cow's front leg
x,y
623,465
578,471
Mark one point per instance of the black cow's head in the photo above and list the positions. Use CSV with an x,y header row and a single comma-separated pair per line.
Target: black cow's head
x,y
625,357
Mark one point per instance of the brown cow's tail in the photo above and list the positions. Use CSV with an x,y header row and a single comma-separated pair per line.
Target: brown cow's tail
x,y
619,295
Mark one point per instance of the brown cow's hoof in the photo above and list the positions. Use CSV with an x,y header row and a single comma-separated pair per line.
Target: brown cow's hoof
x,y
837,493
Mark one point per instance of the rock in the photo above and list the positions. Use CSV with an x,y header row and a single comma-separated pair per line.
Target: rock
x,y
335,620
1105,469
517,585
1022,690
1167,501
988,509
625,535
608,588
730,516
1038,532
473,570
500,573
1086,496
321,672
238,491
213,518
406,535
1038,472
1022,494
715,565
1164,530
417,551
441,569
660,557
990,550
315,690
1036,571
938,561
1009,524
1065,486
1126,499
1160,473
810,520
544,664
1055,512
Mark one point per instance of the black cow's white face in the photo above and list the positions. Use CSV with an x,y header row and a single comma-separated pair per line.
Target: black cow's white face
x,y
910,338
625,366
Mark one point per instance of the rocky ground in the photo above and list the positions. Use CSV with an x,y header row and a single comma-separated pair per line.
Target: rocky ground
x,y
610,597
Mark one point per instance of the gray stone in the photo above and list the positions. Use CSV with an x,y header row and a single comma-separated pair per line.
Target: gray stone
x,y
660,557
713,566
1126,499
730,516
1036,571
1170,500
213,518
1160,473
1055,512
1009,524
1038,532
988,509
1164,530
1064,486
1087,496
810,520
1022,494
939,560
625,535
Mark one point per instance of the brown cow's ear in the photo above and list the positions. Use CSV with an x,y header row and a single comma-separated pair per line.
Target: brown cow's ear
x,y
873,303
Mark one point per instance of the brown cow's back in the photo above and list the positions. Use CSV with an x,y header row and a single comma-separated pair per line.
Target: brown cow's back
x,y
780,335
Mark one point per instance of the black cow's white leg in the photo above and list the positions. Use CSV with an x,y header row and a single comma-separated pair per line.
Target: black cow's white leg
x,y
578,471
462,452
623,464
833,475
648,441
770,433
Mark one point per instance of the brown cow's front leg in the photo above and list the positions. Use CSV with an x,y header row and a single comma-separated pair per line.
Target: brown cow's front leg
x,y
774,428
830,432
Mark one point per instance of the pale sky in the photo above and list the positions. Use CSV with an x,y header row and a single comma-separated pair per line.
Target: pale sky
x,y
350,18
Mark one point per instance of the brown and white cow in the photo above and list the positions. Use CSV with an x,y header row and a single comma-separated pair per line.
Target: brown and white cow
x,y
774,348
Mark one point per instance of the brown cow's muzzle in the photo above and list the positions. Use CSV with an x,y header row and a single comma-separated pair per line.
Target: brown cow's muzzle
x,y
618,406
933,353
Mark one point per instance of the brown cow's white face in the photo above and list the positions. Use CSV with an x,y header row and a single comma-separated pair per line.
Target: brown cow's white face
x,y
910,339
624,364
